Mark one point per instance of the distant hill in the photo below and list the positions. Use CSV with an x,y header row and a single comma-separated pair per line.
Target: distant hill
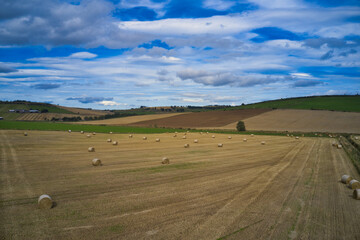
x,y
46,111
345,103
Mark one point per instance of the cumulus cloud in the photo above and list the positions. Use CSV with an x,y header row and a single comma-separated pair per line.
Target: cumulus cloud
x,y
224,78
6,69
327,55
86,99
109,103
306,83
83,55
55,23
46,86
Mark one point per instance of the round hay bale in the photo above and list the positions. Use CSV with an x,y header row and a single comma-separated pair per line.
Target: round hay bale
x,y
45,202
296,137
339,146
144,138
184,137
89,136
187,131
334,144
245,140
196,141
252,135
213,136
82,132
109,140
157,140
69,131
207,132
186,145
356,138
25,134
263,143
346,179
130,136
110,132
96,162
91,149
175,135
114,143
220,145
165,160
356,194
94,133
229,137
354,184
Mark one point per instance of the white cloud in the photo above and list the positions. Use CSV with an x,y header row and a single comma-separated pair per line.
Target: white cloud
x,y
84,55
110,103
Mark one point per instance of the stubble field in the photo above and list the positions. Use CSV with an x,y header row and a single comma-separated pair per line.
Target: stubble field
x,y
286,189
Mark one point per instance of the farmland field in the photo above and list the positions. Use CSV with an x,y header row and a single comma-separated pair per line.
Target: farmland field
x,y
306,121
286,189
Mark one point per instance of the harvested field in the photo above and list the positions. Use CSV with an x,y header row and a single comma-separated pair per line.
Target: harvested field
x,y
303,121
130,120
202,119
43,116
285,189
86,112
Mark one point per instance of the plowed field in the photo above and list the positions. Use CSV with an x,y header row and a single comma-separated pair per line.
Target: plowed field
x,y
306,121
202,119
286,189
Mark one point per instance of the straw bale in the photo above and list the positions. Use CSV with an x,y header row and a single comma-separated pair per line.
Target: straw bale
x,y
157,140
346,179
25,134
339,146
229,137
213,136
165,160
91,149
82,132
354,184
94,133
96,162
220,145
130,136
114,143
196,141
184,137
109,140
88,135
45,202
296,137
110,132
263,143
245,140
186,145
356,194
144,138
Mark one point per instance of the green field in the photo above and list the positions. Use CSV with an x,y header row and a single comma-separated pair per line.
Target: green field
x,y
54,126
6,106
332,103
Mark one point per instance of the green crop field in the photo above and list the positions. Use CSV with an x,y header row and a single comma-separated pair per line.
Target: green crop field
x,y
54,126
332,103
51,126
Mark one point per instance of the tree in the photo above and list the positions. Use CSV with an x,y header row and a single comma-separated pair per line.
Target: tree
x,y
240,126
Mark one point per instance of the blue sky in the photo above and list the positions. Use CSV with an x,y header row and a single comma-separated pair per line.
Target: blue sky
x,y
122,54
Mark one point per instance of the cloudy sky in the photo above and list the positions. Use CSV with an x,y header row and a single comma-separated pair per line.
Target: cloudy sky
x,y
121,54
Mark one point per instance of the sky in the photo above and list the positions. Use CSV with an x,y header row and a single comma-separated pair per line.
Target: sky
x,y
121,54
